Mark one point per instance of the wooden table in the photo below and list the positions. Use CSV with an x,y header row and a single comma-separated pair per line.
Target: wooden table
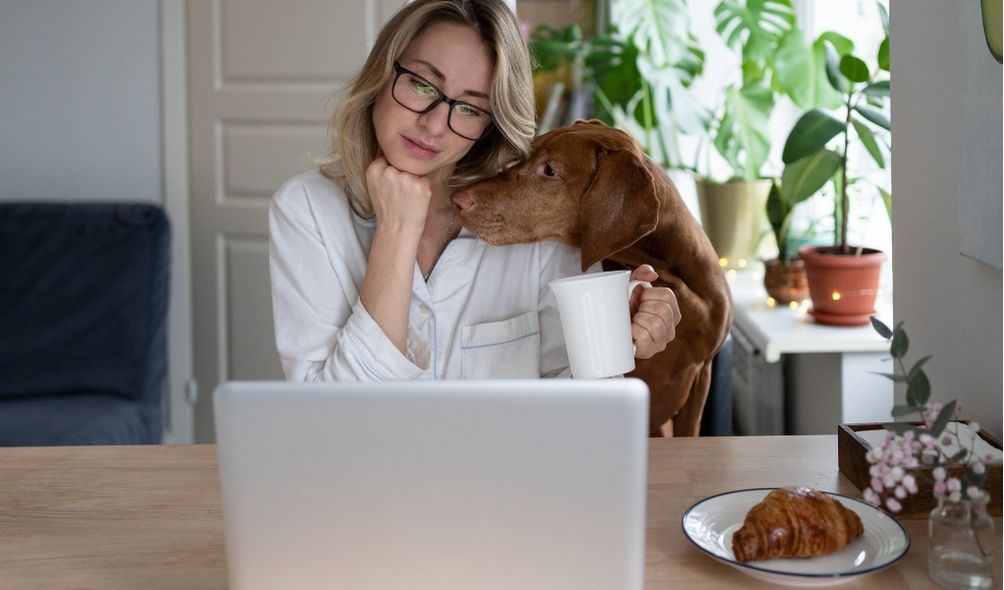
x,y
149,517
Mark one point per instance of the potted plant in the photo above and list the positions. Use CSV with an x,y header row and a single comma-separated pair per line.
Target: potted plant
x,y
638,73
776,60
843,278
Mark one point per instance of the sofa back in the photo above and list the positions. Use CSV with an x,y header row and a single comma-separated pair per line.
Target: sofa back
x,y
83,299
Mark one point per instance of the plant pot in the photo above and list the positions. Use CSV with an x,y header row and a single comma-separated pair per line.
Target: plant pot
x,y
843,287
732,214
785,281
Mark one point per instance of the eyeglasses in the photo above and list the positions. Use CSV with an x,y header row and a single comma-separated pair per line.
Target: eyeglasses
x,y
418,95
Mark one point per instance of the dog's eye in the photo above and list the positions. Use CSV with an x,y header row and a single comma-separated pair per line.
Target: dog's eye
x,y
547,170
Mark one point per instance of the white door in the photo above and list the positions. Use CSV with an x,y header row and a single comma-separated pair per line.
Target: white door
x,y
261,75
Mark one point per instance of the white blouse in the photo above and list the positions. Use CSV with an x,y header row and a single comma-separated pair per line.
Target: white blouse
x,y
486,312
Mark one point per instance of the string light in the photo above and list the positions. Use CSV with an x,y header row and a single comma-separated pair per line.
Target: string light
x,y
741,263
771,302
836,296
723,262
793,304
732,273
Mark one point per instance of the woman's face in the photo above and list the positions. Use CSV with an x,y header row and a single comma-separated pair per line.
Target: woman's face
x,y
456,61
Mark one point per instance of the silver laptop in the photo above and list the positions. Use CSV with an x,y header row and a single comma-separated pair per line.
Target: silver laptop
x,y
465,485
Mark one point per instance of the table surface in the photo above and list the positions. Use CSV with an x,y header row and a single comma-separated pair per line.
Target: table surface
x,y
149,517
779,329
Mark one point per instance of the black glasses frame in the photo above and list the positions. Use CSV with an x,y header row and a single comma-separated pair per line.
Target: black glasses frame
x,y
451,103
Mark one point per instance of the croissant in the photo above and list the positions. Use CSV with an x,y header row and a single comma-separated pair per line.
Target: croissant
x,y
795,522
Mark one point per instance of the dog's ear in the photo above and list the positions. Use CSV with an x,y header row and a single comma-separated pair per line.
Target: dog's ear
x,y
618,208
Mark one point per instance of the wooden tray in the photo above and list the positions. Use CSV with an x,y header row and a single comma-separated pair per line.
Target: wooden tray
x,y
851,450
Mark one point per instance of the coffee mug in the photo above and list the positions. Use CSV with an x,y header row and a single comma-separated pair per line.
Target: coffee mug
x,y
596,321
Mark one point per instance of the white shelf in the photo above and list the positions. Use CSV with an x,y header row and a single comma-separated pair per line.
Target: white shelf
x,y
780,329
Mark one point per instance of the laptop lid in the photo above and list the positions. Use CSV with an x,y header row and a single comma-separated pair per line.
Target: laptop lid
x,y
529,484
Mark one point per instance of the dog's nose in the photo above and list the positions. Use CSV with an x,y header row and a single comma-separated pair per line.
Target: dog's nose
x,y
463,200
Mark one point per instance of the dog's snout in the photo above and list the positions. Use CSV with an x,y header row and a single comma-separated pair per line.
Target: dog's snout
x,y
463,199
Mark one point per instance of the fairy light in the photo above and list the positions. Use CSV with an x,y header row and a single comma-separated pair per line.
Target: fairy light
x,y
793,304
836,295
723,262
771,302
803,308
732,273
741,263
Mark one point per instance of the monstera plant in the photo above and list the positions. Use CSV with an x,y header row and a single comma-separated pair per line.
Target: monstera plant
x,y
638,72
776,60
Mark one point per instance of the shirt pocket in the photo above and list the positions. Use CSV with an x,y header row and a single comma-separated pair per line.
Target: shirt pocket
x,y
507,349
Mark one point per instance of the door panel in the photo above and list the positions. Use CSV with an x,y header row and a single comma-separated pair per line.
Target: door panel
x,y
261,75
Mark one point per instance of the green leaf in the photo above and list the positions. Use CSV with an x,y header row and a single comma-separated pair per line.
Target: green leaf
x,y
854,69
874,115
958,456
868,139
810,134
878,89
798,71
883,55
802,178
920,386
900,343
884,16
886,200
943,418
754,26
892,376
833,74
658,29
880,327
917,365
777,215
743,136
903,410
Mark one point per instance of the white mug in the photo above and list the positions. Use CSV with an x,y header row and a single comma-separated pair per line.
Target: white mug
x,y
596,320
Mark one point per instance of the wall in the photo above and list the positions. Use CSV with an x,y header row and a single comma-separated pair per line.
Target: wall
x,y
80,114
951,304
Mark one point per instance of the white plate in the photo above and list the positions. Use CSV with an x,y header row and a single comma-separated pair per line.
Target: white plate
x,y
710,524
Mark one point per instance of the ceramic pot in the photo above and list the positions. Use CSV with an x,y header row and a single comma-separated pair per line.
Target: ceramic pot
x,y
785,281
843,287
732,214
962,543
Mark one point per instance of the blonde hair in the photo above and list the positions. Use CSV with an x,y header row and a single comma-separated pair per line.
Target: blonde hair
x,y
353,142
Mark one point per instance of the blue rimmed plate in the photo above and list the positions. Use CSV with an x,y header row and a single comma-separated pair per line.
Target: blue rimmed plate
x,y
710,524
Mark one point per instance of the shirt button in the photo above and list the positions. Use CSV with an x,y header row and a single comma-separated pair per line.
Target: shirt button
x,y
424,309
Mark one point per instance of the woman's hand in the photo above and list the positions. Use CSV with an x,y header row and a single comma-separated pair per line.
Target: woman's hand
x,y
400,200
654,315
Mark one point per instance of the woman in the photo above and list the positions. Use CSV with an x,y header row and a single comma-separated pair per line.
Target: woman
x,y
372,277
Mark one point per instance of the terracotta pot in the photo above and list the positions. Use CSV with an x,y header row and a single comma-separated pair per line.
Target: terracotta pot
x,y
732,214
843,287
785,282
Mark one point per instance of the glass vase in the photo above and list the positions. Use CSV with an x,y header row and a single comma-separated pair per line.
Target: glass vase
x,y
961,536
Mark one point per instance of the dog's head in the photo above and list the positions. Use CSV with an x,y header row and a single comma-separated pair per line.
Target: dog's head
x,y
586,185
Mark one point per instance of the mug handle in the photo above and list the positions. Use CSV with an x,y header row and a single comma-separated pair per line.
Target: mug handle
x,y
630,291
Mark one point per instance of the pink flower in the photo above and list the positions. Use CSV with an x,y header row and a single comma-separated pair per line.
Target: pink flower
x,y
893,504
872,498
954,485
910,484
899,492
939,488
979,468
946,440
989,457
877,485
938,473
974,492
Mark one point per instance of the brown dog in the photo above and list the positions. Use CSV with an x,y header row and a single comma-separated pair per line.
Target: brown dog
x,y
591,186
